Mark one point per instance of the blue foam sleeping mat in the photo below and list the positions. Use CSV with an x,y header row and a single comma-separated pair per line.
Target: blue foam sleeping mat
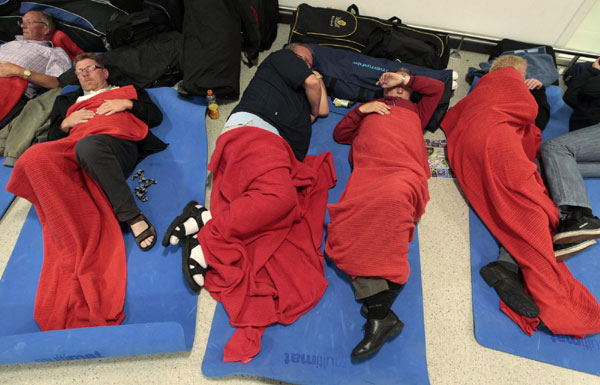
x,y
316,348
160,309
6,198
493,329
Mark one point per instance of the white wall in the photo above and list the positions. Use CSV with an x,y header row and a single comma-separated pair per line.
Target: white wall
x,y
551,22
587,36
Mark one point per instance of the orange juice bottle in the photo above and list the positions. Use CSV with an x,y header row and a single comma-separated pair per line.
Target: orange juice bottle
x,y
213,107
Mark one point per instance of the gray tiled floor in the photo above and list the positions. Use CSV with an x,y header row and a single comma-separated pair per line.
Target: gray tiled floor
x,y
453,354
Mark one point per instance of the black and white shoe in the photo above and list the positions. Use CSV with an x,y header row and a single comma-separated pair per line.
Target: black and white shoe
x,y
576,229
564,251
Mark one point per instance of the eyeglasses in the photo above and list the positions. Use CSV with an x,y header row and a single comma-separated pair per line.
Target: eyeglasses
x,y
21,22
88,69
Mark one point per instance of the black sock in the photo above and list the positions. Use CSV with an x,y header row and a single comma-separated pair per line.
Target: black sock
x,y
378,305
395,289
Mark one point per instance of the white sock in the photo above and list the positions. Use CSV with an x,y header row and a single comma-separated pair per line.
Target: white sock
x,y
190,226
206,216
454,75
198,256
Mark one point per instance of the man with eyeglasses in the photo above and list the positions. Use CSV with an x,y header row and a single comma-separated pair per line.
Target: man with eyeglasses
x,y
77,184
32,56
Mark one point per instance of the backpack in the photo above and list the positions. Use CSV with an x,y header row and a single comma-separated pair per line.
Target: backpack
x,y
505,45
369,35
123,30
352,76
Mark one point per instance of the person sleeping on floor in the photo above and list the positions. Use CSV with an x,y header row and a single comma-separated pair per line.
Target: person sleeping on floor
x,y
492,144
373,221
267,205
76,182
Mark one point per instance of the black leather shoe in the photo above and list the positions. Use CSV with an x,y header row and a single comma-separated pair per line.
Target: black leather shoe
x,y
376,332
510,289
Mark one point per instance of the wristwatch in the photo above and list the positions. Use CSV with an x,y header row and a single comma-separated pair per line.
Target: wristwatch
x,y
403,81
26,74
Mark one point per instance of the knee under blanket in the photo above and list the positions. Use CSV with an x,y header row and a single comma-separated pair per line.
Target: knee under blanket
x,y
373,222
491,143
83,277
11,90
263,243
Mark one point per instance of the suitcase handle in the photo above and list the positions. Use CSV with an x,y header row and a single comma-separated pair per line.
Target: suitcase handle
x,y
353,9
396,21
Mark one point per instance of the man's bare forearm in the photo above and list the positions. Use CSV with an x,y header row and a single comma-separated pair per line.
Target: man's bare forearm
x,y
42,80
312,88
324,104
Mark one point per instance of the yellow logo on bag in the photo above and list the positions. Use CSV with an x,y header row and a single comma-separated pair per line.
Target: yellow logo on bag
x,y
337,22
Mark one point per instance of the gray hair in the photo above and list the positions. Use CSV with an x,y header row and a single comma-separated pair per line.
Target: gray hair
x,y
292,46
46,19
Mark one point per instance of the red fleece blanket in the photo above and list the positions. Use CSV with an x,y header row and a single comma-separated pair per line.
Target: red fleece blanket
x,y
11,89
373,221
62,40
84,273
492,141
263,245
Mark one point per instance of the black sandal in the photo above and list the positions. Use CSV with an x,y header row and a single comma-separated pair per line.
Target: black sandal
x,y
189,211
190,266
149,232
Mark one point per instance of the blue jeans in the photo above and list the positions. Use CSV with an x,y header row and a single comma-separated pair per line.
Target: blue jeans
x,y
567,160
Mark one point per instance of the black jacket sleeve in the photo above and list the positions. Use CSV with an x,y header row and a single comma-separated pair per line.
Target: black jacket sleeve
x,y
583,87
145,110
543,115
59,113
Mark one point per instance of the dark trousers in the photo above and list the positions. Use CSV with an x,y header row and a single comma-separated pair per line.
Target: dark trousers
x,y
109,161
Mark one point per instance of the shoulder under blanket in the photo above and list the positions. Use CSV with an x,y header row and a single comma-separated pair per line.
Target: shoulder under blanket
x,y
263,243
491,144
373,221
83,277
11,89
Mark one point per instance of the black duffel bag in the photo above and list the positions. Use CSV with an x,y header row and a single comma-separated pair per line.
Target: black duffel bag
x,y
409,45
375,37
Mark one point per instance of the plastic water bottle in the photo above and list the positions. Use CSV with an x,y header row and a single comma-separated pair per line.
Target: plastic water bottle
x,y
213,107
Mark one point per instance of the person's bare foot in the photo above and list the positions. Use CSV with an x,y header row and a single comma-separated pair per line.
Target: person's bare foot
x,y
138,228
143,231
